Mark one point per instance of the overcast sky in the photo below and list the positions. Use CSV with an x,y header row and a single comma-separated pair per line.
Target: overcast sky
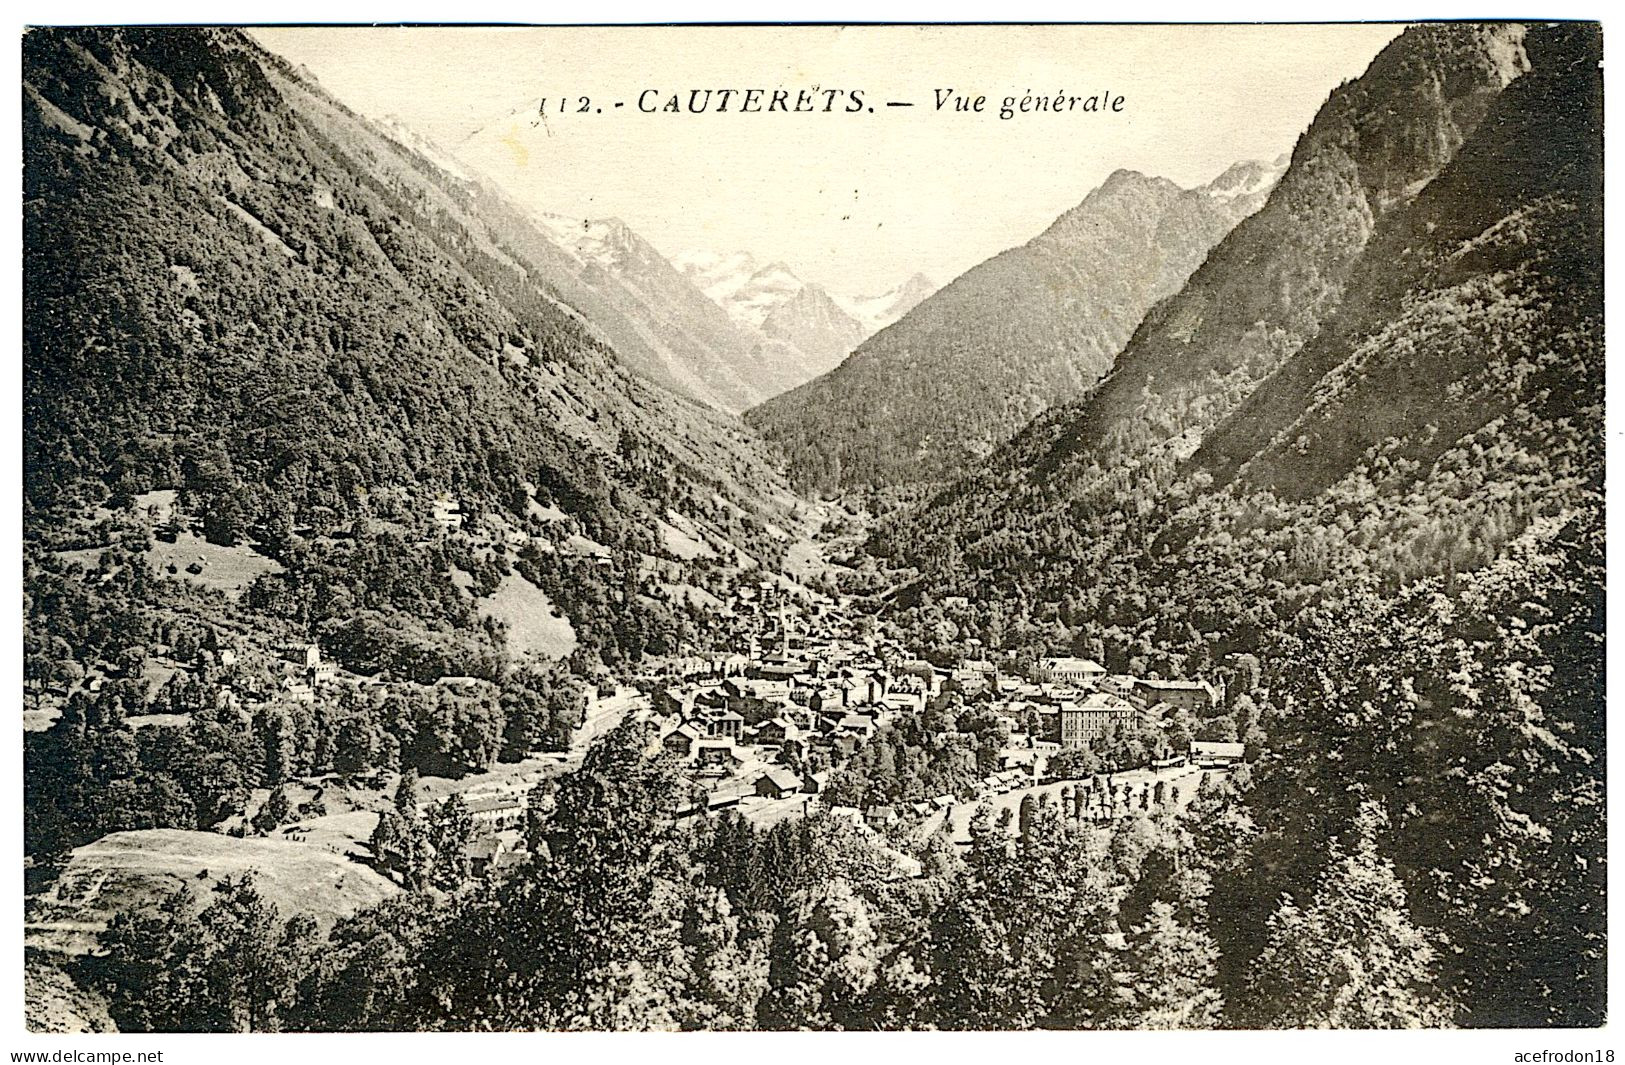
x,y
859,201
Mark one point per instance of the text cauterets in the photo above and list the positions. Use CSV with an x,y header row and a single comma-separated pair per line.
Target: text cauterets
x,y
751,101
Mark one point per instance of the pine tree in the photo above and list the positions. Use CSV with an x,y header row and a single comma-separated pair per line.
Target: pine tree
x,y
1352,958
823,963
385,840
450,830
412,845
276,810
586,936
976,981
727,970
1173,975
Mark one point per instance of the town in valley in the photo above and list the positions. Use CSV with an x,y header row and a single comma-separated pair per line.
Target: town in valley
x,y
1085,528
760,724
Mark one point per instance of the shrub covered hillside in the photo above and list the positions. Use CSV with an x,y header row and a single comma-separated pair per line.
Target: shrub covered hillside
x,y
1365,445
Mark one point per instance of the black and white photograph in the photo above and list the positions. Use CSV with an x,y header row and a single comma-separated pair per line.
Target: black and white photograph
x,y
810,527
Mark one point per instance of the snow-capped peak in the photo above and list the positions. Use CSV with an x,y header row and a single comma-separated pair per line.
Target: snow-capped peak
x,y
423,146
877,312
748,292
1246,179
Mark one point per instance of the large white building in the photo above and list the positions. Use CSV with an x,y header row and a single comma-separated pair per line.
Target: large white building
x,y
1080,671
1081,723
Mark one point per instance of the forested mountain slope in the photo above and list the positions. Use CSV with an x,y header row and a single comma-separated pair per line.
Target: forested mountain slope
x,y
1029,328
288,383
299,412
1268,286
1364,444
647,308
236,286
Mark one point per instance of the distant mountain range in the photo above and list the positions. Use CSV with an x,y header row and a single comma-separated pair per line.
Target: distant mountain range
x,y
723,329
1034,326
774,300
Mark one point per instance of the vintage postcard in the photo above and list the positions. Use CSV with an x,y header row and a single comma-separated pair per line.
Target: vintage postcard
x,y
813,528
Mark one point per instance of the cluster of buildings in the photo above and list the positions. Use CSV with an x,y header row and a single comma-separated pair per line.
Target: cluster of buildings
x,y
1078,703
807,690
773,717
834,707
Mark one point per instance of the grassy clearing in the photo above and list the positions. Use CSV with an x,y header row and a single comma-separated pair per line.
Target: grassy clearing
x,y
129,870
535,626
40,720
54,1002
224,569
680,537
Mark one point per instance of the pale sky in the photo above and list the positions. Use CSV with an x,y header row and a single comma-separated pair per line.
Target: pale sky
x,y
856,202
